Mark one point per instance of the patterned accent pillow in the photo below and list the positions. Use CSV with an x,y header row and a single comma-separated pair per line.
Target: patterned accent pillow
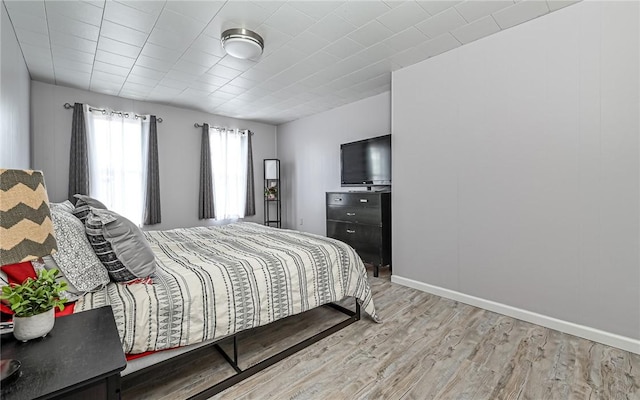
x,y
84,205
75,257
120,245
48,263
65,206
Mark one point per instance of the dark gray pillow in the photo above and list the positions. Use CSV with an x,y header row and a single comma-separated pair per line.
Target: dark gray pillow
x,y
120,245
84,204
75,257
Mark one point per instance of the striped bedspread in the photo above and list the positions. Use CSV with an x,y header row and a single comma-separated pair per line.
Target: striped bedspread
x,y
215,281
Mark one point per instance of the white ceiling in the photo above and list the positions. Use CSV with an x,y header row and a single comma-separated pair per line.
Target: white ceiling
x,y
318,54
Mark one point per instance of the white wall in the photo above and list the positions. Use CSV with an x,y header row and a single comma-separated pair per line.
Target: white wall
x,y
309,152
516,168
178,148
15,151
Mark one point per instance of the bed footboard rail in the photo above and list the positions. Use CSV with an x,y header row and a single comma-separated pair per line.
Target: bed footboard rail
x,y
242,374
246,373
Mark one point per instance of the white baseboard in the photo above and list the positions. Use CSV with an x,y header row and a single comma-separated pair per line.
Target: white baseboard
x,y
596,335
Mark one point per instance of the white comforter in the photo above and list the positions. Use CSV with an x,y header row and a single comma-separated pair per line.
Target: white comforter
x,y
214,281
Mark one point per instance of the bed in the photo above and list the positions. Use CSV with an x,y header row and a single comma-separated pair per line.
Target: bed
x,y
214,282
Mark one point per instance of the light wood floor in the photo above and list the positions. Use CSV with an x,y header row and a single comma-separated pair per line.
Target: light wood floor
x,y
427,348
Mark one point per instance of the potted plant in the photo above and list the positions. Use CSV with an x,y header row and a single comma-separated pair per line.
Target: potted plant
x,y
271,192
33,303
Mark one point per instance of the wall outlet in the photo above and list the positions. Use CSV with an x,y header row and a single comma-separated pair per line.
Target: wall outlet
x,y
301,221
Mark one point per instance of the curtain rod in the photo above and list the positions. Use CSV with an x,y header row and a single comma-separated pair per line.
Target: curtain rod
x,y
125,114
197,125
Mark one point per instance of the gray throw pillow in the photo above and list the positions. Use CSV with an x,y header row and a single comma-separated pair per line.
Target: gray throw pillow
x,y
120,245
75,257
84,204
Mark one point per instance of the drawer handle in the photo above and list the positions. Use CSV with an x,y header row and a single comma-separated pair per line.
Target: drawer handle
x,y
364,201
351,231
351,214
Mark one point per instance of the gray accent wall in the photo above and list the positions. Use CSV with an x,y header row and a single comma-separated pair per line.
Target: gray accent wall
x,y
15,148
309,152
516,168
178,148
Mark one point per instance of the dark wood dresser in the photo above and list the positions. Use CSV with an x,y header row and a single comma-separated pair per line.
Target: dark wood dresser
x,y
362,220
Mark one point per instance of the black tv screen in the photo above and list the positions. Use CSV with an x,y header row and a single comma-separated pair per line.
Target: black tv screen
x,y
366,162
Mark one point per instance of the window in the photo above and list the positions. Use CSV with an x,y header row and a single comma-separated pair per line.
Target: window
x,y
229,162
117,153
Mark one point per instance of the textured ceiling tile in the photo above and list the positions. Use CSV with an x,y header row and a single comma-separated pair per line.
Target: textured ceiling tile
x,y
476,30
371,33
90,13
289,20
73,54
440,44
147,6
153,63
558,4
236,63
200,57
520,12
224,72
122,33
199,10
113,46
441,23
167,55
115,59
273,39
142,80
209,44
315,9
123,14
76,28
33,38
146,72
406,39
405,14
62,63
74,42
308,42
28,22
32,8
434,7
361,12
473,10
170,40
110,69
343,47
332,28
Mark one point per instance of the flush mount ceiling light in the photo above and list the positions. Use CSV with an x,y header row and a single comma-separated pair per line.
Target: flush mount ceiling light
x,y
242,43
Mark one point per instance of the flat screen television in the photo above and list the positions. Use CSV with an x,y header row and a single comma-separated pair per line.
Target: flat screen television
x,y
366,162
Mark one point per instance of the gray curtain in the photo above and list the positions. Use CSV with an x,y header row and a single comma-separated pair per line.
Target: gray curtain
x,y
78,159
205,200
152,206
250,201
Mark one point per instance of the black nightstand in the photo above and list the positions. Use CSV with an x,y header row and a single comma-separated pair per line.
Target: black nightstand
x,y
81,358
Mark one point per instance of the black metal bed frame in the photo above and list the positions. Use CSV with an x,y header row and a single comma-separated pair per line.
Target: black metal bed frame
x,y
241,374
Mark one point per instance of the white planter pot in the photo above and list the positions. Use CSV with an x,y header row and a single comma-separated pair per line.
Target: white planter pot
x,y
36,326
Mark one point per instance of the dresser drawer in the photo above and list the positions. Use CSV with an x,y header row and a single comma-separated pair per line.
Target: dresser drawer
x,y
364,238
362,215
362,199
